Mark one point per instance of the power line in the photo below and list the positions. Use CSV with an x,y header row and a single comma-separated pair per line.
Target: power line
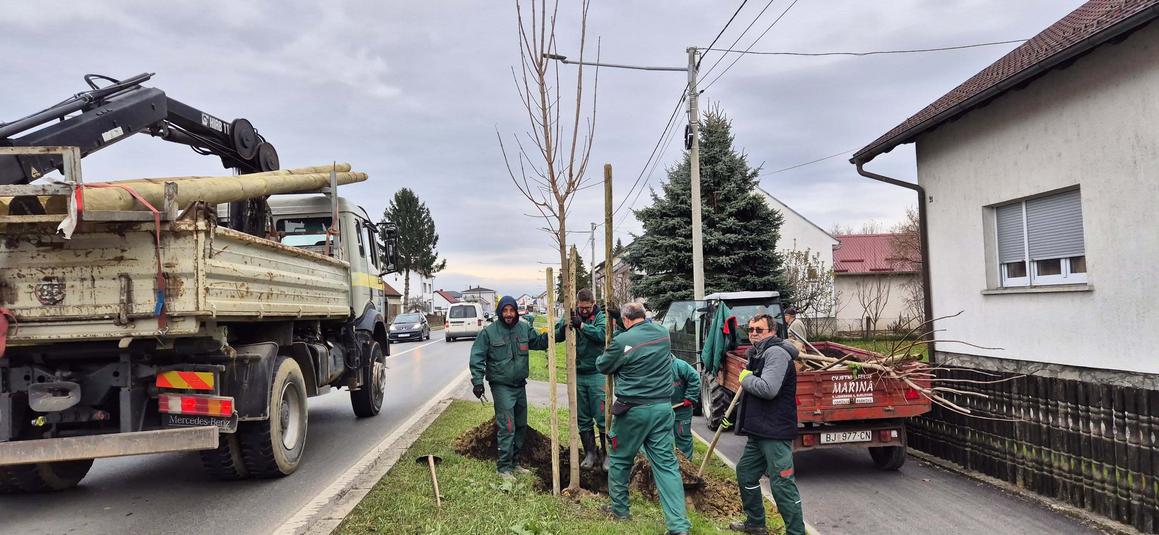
x,y
755,41
870,53
811,162
663,134
652,171
730,19
737,40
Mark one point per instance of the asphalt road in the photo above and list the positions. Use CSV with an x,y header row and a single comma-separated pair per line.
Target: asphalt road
x,y
169,493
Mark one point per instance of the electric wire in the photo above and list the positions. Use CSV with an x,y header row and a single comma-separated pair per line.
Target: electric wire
x,y
655,163
868,53
735,41
811,162
663,134
717,38
755,41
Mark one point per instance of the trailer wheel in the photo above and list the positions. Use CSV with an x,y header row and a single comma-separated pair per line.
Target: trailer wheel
x,y
367,400
888,457
225,462
273,447
43,477
714,400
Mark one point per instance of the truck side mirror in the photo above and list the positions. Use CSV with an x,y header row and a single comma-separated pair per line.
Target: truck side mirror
x,y
388,235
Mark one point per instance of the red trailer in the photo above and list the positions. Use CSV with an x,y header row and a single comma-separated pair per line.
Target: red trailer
x,y
840,408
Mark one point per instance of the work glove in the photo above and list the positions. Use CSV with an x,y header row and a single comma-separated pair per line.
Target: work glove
x,y
743,374
478,391
576,321
687,402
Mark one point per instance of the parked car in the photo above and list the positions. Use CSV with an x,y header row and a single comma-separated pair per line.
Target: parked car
x,y
409,327
465,320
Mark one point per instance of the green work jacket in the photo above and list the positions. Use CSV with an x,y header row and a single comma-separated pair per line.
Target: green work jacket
x,y
499,354
589,341
641,360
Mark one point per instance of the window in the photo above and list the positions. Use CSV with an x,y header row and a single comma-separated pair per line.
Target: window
x,y
372,242
1040,241
303,232
463,312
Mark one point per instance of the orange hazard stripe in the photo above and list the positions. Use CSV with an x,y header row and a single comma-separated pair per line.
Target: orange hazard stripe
x,y
186,380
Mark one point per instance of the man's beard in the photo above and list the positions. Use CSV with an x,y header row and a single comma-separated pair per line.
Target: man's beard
x,y
510,322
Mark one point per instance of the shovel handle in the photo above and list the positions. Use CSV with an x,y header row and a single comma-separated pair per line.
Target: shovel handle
x,y
435,481
719,430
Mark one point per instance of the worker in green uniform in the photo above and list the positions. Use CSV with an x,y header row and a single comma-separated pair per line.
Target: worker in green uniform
x,y
499,355
640,359
685,394
589,324
768,416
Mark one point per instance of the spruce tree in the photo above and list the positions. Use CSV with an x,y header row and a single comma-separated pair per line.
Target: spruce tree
x,y
741,231
583,278
418,241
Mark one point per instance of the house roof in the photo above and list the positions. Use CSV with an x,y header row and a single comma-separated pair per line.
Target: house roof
x,y
389,290
1092,24
448,296
798,214
862,254
479,290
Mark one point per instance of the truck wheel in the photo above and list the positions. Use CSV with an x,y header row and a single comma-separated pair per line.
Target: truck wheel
x,y
888,457
367,400
43,477
273,447
225,462
714,400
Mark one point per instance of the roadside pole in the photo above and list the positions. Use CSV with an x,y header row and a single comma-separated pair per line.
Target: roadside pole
x,y
551,378
694,168
608,260
593,261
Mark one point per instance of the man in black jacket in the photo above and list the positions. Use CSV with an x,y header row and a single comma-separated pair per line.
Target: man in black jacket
x,y
768,416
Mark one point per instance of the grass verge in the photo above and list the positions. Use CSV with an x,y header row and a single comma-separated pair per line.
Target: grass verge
x,y
884,345
476,501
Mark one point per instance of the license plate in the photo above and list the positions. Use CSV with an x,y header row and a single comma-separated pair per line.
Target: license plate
x,y
227,425
841,437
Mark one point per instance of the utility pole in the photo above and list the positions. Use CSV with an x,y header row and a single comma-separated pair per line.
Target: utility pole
x,y
694,170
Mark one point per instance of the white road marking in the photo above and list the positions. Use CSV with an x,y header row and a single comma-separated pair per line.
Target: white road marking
x,y
392,355
301,520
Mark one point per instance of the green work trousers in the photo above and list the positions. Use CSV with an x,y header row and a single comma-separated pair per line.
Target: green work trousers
x,y
773,457
589,389
650,427
682,430
511,421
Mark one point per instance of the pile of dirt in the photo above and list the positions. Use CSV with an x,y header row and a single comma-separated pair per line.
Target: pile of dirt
x,y
714,497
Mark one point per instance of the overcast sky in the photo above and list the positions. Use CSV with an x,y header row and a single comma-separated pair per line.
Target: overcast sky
x,y
414,92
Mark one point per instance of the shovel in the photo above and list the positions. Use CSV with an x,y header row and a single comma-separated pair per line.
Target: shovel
x,y
431,461
719,430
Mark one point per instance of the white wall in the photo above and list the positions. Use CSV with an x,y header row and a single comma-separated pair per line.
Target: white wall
x,y
850,313
440,303
1094,125
798,233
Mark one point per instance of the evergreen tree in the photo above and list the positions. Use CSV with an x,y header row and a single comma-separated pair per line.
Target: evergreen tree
x,y
583,278
740,230
417,240
618,249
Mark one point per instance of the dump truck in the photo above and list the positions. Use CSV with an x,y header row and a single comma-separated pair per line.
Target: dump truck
x,y
126,332
837,407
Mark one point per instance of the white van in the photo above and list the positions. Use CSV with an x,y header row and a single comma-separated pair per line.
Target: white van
x,y
464,320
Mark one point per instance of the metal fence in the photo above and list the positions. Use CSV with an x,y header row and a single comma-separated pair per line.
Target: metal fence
x,y
1091,445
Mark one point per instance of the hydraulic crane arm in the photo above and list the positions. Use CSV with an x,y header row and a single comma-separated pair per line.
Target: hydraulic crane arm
x,y
95,119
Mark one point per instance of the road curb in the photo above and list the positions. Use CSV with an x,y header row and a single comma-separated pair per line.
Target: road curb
x,y
764,488
1082,515
327,510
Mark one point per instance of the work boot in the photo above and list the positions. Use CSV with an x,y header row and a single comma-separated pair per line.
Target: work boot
x,y
607,509
745,527
604,452
588,438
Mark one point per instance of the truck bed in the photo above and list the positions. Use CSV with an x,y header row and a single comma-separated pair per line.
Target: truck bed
x,y
104,278
840,396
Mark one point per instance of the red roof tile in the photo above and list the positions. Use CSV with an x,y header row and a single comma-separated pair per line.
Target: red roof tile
x,y
447,295
389,291
868,253
1092,24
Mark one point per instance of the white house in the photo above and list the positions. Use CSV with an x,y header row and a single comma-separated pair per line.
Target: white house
x,y
525,301
484,296
798,233
1041,178
621,280
441,301
875,289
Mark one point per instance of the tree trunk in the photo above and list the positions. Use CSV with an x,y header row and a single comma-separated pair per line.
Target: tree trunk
x,y
405,288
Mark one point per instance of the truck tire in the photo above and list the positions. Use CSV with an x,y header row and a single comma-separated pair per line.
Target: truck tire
x,y
888,457
714,400
43,477
273,447
367,400
225,462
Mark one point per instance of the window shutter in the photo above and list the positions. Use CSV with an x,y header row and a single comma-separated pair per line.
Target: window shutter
x,y
1055,226
1011,246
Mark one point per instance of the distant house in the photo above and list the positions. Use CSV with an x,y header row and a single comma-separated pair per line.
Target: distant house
x,y
525,302
393,300
1040,176
621,281
798,233
541,302
442,300
875,287
484,296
